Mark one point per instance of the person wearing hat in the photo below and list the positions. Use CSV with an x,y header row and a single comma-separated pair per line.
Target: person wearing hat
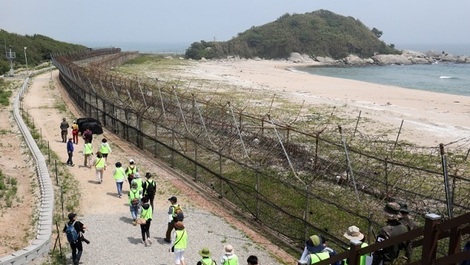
x,y
407,221
70,150
77,247
172,217
206,257
134,202
131,170
354,234
393,228
75,132
64,126
119,176
319,251
314,244
149,188
179,242
229,258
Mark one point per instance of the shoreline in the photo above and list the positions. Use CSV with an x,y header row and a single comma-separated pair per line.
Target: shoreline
x,y
429,118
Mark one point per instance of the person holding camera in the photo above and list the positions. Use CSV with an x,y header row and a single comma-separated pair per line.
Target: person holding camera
x,y
74,230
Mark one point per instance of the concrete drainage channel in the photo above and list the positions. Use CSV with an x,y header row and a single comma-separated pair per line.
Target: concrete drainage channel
x,y
41,245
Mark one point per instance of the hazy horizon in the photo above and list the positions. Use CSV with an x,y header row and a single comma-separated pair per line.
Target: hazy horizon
x,y
420,22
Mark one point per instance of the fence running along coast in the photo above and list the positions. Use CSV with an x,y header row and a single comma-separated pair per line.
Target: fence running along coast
x,y
276,173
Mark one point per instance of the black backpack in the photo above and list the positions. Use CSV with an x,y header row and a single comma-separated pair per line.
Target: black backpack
x,y
150,188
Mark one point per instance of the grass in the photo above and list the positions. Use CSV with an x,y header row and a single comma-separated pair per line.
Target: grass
x,y
5,92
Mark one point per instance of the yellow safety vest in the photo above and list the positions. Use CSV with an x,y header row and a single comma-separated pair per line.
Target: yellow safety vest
x,y
104,148
119,174
362,261
317,257
181,239
88,149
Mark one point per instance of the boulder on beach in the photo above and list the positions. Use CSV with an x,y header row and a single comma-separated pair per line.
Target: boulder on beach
x,y
386,59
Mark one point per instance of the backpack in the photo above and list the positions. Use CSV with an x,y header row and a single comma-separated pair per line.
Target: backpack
x,y
178,214
71,232
150,188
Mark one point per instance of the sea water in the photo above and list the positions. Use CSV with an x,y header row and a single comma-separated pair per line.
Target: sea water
x,y
448,78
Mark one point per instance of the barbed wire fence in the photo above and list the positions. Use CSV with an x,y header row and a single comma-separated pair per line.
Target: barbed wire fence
x,y
293,180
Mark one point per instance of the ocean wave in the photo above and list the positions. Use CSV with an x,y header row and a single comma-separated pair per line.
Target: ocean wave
x,y
446,77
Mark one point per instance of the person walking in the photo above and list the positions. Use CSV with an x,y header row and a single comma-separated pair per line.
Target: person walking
x,y
172,217
88,135
74,230
75,132
353,233
140,184
407,221
100,166
146,212
119,176
393,228
229,258
70,149
105,149
131,170
87,153
134,202
64,126
149,188
179,243
206,257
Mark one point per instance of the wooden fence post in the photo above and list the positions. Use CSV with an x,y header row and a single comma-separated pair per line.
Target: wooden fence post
x,y
431,235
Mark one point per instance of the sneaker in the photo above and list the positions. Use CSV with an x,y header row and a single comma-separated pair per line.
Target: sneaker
x,y
148,241
167,240
134,223
145,242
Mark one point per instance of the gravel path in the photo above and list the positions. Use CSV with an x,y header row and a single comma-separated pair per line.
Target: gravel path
x,y
114,240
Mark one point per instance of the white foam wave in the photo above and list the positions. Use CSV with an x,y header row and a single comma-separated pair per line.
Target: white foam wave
x,y
445,77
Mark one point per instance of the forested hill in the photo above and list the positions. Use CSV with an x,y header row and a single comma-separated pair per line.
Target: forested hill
x,y
39,48
319,33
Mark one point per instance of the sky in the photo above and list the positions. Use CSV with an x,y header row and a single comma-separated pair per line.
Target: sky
x,y
430,24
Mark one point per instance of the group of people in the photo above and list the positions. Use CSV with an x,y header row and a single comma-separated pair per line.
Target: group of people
x,y
398,222
140,198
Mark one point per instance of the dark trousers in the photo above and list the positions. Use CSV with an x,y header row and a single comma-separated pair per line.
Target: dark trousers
x,y
145,229
69,161
151,201
63,133
171,225
77,250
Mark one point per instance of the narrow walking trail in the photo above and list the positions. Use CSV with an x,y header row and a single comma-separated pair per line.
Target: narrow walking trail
x,y
114,240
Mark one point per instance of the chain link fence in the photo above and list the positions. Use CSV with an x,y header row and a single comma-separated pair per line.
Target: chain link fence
x,y
292,180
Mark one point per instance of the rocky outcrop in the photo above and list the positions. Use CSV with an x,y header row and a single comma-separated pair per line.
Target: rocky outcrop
x,y
406,58
386,59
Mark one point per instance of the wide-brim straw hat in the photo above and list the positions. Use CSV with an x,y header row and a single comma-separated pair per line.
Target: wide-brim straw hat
x,y
228,249
353,233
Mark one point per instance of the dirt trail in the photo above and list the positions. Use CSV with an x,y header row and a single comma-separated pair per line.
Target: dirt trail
x,y
42,101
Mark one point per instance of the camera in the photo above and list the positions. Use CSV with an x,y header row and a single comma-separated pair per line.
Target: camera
x,y
85,240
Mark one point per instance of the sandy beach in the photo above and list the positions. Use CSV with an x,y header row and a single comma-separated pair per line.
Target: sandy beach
x,y
428,118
